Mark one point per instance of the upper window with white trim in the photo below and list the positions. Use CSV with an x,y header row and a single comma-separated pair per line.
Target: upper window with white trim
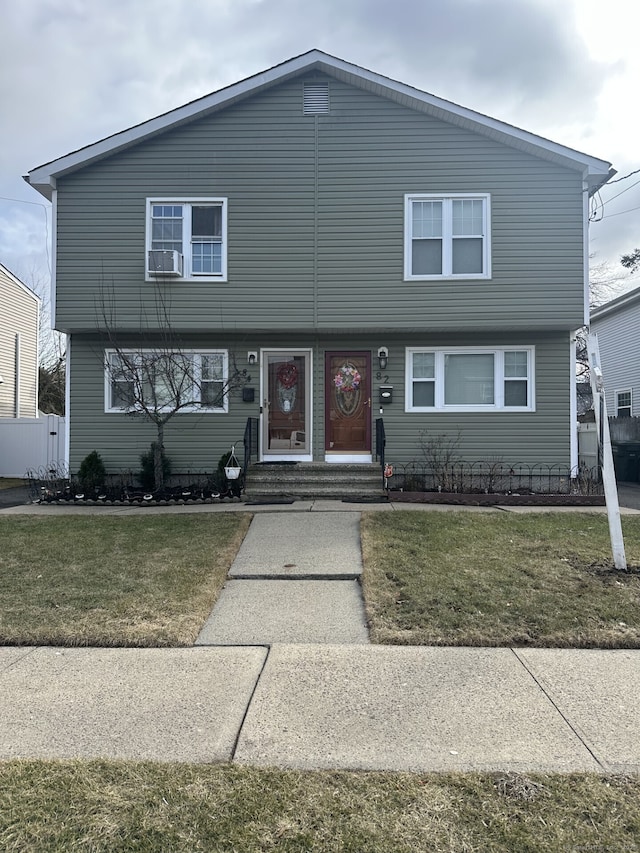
x,y
447,236
187,238
147,380
466,379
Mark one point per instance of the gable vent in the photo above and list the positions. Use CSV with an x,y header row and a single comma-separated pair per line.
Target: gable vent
x,y
315,98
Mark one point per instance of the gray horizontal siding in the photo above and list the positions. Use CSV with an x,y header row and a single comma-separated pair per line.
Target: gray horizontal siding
x,y
196,442
542,436
316,222
618,342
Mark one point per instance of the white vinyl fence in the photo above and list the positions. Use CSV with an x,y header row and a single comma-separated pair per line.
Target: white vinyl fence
x,y
587,445
31,443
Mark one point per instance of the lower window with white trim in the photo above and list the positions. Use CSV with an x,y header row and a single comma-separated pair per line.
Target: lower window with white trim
x,y
623,403
470,379
157,380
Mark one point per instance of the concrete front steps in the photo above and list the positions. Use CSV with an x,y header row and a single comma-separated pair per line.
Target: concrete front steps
x,y
313,480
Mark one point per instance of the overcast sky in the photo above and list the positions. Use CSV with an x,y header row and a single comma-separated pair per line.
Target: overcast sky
x,y
75,71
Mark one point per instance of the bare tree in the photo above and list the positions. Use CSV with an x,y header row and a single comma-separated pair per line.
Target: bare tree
x,y
51,388
159,377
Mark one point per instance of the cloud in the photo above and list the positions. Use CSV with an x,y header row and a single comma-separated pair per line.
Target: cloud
x,y
74,71
23,243
92,69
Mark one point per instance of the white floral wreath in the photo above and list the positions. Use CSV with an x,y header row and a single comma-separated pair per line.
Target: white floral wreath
x,y
347,379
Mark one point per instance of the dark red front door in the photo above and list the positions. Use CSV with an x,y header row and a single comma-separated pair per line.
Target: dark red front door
x,y
348,402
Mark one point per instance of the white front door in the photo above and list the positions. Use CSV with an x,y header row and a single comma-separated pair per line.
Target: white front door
x,y
286,405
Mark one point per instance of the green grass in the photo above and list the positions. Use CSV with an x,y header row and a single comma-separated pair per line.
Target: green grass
x,y
124,806
499,579
10,482
105,581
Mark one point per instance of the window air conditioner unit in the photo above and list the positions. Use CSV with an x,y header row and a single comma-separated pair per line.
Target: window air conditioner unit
x,y
165,262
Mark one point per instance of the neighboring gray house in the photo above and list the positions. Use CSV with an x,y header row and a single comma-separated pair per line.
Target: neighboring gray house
x,y
617,325
19,318
343,236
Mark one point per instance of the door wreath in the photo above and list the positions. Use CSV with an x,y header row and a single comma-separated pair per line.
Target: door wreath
x,y
286,386
287,374
347,379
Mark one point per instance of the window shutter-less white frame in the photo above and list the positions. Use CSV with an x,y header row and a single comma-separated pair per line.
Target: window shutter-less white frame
x,y
438,380
179,265
448,237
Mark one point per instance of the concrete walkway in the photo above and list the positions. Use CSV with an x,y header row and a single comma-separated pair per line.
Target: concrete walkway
x,y
295,579
283,674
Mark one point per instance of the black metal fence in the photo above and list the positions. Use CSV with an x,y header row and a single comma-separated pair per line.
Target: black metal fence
x,y
55,484
484,477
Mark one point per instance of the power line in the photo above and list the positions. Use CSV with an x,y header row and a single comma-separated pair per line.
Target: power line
x,y
609,215
46,224
623,178
622,192
22,201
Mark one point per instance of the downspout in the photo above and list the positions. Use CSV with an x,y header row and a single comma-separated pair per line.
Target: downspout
x,y
67,400
573,408
585,246
17,381
37,388
54,252
573,393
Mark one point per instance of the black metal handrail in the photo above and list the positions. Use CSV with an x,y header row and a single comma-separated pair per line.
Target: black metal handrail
x,y
381,441
250,442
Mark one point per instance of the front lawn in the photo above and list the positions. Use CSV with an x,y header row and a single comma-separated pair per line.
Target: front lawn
x,y
105,581
10,482
102,806
499,579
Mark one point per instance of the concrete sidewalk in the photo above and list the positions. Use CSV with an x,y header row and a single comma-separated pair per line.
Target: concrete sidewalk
x,y
282,674
326,706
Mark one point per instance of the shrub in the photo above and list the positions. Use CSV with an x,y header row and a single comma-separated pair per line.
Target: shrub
x,y
92,472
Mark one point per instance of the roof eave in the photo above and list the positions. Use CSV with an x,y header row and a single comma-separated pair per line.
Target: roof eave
x,y
42,178
617,304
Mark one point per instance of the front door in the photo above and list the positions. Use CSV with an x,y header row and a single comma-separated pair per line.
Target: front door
x,y
348,406
286,401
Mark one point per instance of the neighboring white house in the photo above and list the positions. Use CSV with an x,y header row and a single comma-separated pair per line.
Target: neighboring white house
x,y
19,317
617,325
29,441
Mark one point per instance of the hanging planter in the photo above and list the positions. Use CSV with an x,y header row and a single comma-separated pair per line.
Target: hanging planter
x,y
232,468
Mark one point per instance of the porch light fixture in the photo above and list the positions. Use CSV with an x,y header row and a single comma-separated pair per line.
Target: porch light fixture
x,y
383,357
252,357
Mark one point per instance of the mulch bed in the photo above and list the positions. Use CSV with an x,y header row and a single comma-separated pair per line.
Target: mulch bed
x,y
465,499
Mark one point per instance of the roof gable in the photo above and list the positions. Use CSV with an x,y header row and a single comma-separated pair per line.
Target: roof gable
x,y
7,275
620,303
596,172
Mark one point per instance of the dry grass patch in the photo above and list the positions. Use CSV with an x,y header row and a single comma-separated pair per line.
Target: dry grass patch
x,y
499,579
10,482
104,581
105,806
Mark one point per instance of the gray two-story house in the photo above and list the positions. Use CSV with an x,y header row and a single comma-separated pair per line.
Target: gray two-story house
x,y
363,249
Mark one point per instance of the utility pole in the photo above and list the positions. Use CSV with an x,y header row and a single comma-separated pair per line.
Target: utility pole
x,y
604,447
